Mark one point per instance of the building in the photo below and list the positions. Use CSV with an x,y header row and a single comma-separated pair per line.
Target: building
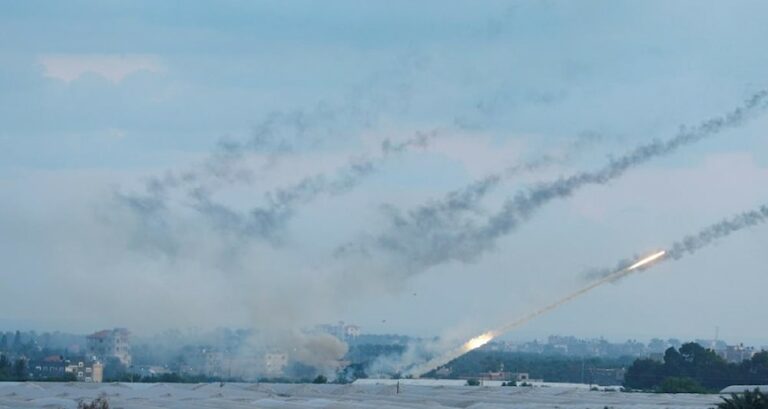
x,y
106,344
342,331
213,363
84,371
49,368
520,377
736,353
56,367
351,331
275,363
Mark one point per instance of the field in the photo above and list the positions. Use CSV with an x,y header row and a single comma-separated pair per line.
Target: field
x,y
309,396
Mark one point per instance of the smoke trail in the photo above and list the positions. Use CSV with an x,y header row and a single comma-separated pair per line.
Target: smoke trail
x,y
265,221
455,207
278,133
687,246
693,243
282,132
419,244
468,198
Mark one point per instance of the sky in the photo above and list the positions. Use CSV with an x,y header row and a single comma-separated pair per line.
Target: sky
x,y
262,164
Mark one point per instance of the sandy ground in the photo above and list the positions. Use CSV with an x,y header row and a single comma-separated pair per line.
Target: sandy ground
x,y
303,396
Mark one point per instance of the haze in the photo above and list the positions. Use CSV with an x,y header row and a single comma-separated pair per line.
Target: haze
x,y
257,164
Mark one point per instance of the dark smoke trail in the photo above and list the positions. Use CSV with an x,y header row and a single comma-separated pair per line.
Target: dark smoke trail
x,y
283,132
267,220
455,207
421,246
693,243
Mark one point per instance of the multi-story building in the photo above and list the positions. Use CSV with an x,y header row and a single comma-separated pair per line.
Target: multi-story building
x,y
113,343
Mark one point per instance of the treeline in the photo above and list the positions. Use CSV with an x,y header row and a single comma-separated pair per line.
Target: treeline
x,y
15,370
172,377
602,371
693,368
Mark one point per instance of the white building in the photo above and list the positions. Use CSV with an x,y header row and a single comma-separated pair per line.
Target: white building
x,y
112,343
275,363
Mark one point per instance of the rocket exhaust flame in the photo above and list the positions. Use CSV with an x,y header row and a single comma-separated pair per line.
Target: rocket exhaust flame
x,y
649,259
479,341
488,336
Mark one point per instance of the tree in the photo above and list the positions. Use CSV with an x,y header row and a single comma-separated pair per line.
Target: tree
x,y
17,341
643,374
4,368
320,379
674,363
681,385
20,369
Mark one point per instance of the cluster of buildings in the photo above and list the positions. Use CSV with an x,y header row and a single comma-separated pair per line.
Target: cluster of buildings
x,y
736,353
271,362
58,367
103,348
345,332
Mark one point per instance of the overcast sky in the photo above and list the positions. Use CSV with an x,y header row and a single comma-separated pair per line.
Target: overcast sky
x,y
137,138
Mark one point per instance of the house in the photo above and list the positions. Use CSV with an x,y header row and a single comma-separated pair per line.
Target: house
x,y
84,371
49,368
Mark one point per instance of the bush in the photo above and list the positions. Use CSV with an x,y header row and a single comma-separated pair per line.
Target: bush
x,y
681,385
99,403
747,400
320,379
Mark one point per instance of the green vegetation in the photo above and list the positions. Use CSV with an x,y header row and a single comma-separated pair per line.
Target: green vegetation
x,y
602,371
13,371
320,379
747,400
98,403
695,369
681,385
172,377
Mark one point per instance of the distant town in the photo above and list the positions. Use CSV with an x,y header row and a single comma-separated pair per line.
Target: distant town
x,y
229,355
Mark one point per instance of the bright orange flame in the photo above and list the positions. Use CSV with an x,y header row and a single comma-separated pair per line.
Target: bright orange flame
x,y
479,341
649,259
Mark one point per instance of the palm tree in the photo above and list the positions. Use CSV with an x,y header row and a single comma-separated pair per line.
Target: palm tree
x,y
747,400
